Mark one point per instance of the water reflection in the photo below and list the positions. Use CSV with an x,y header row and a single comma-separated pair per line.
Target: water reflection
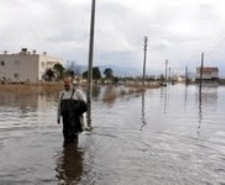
x,y
96,92
24,102
207,99
26,99
209,96
143,119
185,97
162,155
200,113
109,96
69,165
164,99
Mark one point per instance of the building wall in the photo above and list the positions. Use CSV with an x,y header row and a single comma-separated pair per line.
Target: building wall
x,y
46,62
19,67
22,67
215,74
207,75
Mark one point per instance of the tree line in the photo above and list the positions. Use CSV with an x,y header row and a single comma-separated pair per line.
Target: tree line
x,y
58,72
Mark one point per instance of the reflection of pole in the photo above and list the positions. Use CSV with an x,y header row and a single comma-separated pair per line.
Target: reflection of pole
x,y
166,66
185,98
201,72
169,75
143,111
144,62
200,114
90,62
200,92
165,102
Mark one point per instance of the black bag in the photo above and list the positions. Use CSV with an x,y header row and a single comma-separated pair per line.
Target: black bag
x,y
80,106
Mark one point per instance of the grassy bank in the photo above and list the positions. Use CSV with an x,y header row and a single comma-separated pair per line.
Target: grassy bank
x,y
32,88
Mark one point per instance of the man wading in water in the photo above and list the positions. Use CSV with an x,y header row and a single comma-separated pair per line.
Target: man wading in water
x,y
71,107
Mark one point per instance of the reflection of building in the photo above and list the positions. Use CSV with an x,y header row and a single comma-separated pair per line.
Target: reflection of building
x,y
25,66
208,73
42,103
27,99
209,97
21,100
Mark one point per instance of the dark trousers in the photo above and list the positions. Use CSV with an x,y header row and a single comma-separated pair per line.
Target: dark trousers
x,y
70,133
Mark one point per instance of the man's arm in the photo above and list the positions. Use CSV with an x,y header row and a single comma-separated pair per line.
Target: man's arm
x,y
81,95
83,117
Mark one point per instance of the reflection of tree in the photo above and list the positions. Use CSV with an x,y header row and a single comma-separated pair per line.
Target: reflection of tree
x,y
69,166
96,91
109,96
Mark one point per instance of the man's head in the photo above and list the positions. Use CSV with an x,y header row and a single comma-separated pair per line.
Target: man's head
x,y
68,83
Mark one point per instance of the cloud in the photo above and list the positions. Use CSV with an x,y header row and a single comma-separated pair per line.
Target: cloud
x,y
177,30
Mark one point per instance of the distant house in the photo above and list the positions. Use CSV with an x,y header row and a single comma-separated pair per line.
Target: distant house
x,y
25,66
208,73
179,78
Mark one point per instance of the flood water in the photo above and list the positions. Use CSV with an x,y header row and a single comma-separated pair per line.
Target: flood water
x,y
163,136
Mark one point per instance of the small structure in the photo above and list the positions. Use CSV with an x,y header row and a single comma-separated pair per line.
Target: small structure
x,y
25,66
208,73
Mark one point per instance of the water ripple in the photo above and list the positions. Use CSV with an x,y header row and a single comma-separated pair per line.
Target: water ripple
x,y
162,136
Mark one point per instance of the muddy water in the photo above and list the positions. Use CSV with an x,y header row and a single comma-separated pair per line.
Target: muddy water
x,y
163,136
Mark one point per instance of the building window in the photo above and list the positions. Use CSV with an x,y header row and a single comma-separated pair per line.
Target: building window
x,y
43,64
50,64
2,63
16,75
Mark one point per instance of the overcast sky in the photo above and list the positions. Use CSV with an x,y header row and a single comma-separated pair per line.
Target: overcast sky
x,y
177,30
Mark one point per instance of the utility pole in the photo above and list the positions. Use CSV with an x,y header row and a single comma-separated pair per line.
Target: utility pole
x,y
90,63
166,66
144,62
201,72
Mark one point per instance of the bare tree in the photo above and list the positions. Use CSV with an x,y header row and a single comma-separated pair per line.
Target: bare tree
x,y
73,69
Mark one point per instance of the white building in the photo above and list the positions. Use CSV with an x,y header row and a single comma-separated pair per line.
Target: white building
x,y
25,66
208,73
